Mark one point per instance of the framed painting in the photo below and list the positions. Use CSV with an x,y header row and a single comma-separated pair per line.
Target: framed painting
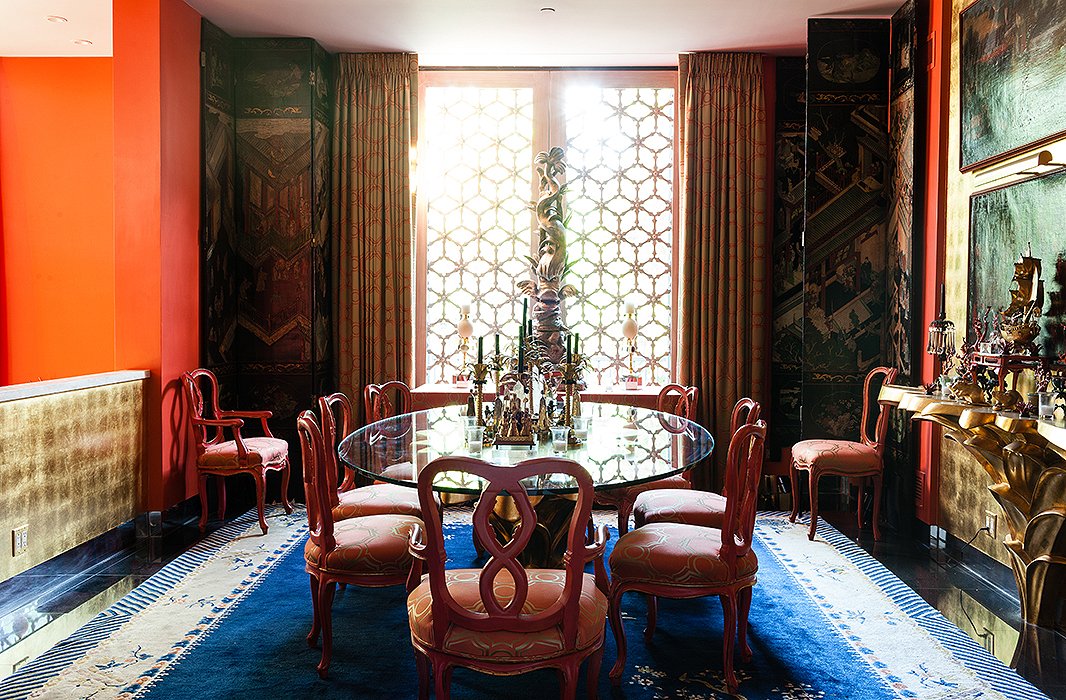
x,y
1004,222
1013,77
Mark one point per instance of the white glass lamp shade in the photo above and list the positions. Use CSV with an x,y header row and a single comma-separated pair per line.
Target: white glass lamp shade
x,y
629,328
464,328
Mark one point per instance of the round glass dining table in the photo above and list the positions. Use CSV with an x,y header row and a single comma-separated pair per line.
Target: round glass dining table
x,y
624,446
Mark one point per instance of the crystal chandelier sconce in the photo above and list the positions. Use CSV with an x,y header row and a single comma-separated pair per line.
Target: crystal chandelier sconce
x,y
942,337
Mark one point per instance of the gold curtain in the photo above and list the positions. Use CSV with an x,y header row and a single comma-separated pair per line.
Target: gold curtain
x,y
723,299
374,130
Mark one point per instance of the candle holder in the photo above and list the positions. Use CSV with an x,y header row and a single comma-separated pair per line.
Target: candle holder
x,y
481,373
514,425
569,381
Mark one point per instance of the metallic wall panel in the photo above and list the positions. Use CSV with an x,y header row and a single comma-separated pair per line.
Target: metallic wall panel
x,y
71,468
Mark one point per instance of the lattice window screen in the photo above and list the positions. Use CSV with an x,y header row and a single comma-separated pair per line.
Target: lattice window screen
x,y
476,179
620,193
477,156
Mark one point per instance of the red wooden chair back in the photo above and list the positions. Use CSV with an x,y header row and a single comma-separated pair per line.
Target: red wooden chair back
x,y
743,470
746,411
685,403
329,407
378,404
194,382
317,489
881,429
506,481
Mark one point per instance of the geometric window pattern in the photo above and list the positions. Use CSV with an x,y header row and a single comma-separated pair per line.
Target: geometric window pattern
x,y
620,171
476,177
476,182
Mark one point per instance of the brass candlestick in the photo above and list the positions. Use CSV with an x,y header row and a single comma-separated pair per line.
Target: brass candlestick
x,y
481,373
569,380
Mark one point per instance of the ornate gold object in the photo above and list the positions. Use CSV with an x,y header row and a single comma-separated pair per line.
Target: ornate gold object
x,y
546,287
1026,461
514,420
1020,321
969,392
1006,400
481,374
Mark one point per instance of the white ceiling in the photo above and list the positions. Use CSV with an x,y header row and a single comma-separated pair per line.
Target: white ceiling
x,y
467,32
26,31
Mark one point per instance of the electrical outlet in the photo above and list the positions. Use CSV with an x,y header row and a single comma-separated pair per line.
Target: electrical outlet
x,y
20,540
991,520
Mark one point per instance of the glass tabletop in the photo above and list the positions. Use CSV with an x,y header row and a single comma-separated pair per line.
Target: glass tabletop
x,y
625,446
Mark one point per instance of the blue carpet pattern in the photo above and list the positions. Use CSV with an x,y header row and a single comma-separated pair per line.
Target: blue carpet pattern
x,y
252,641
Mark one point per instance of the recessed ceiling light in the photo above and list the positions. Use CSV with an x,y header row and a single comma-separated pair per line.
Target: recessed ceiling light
x,y
83,42
56,18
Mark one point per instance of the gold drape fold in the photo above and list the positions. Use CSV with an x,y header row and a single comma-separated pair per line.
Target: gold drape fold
x,y
723,299
374,129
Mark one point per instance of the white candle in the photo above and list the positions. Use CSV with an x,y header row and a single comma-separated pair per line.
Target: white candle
x,y
465,309
631,308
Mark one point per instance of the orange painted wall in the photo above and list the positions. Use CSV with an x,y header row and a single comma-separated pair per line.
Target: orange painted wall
x,y
157,146
57,271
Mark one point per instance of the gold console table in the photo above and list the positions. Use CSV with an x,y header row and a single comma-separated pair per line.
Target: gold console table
x,y
1025,459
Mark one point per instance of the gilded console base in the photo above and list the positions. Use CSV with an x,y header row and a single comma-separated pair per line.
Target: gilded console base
x,y
1025,459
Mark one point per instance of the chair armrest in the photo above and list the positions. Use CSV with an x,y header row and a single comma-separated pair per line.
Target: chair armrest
x,y
594,550
261,415
415,544
234,423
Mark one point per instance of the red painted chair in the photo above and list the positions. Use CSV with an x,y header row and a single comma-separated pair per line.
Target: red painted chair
x,y
366,551
505,619
242,455
858,461
674,560
679,401
378,404
372,499
691,506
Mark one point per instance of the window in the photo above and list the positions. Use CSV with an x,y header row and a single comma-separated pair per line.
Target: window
x,y
478,135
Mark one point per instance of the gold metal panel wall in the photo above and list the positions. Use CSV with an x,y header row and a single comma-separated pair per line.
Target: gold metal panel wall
x,y
964,500
70,467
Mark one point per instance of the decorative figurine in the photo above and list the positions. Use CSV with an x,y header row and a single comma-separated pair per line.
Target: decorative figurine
x,y
1020,321
970,392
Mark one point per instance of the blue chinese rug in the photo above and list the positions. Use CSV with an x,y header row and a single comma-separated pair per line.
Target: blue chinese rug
x,y
229,617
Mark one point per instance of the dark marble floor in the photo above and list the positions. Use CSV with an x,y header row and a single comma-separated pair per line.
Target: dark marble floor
x,y
44,605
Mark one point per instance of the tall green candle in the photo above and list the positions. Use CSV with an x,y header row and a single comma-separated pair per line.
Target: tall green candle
x,y
480,349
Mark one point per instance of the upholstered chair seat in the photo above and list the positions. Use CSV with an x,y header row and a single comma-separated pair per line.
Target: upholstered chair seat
x,y
260,450
839,455
690,507
545,589
377,499
368,546
684,555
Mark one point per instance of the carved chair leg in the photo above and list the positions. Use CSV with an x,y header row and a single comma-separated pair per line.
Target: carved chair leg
x,y
568,674
625,509
260,495
619,631
861,485
743,608
221,481
793,475
653,610
442,679
877,508
285,487
422,664
592,682
312,636
729,636
203,503
815,478
325,615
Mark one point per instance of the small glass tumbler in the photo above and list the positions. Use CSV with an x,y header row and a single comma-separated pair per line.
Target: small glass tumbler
x,y
560,437
1045,404
581,427
474,437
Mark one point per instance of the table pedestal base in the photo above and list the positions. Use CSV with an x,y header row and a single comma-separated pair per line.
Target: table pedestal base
x,y
548,544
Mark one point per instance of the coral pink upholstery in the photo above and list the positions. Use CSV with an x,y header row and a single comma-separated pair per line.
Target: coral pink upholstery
x,y
261,450
690,507
545,588
684,555
377,499
375,544
838,455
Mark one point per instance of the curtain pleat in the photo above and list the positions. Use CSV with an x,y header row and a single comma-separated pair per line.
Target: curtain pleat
x,y
723,308
374,130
